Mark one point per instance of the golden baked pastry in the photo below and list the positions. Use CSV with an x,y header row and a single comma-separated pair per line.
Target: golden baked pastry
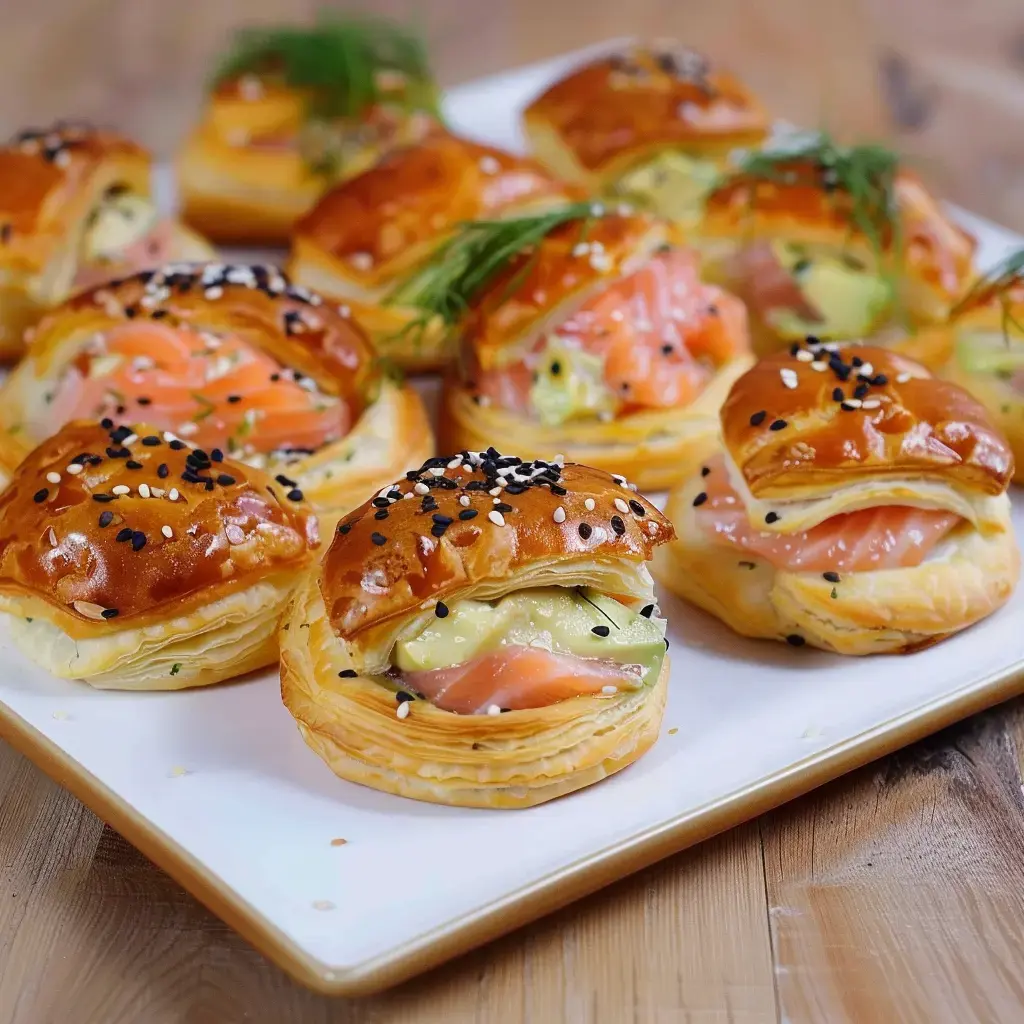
x,y
75,209
293,110
482,584
857,504
981,348
835,242
372,240
229,356
134,562
588,333
654,124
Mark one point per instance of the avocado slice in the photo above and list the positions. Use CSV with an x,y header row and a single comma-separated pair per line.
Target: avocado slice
x,y
560,619
569,384
987,352
673,184
848,299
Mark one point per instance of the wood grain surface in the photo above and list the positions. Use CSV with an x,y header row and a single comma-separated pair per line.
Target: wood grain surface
x,y
894,895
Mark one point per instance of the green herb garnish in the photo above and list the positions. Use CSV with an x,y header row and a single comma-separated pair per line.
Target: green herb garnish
x,y
175,668
345,64
479,251
996,283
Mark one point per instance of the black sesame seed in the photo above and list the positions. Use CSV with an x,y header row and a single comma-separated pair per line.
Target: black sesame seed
x,y
209,483
442,520
381,513
667,350
40,496
647,611
143,400
880,380
700,499
441,610
151,441
162,470
503,507
117,436
103,497
233,399
285,481
438,530
138,540
132,464
777,425
556,368
600,630
177,445
225,479
637,508
618,525
837,395
772,517
705,470
857,361
118,453
795,640
126,534
295,494
217,455
344,528
832,577
379,539
106,423
585,530
468,513
380,503
130,312
347,673
275,377
106,518
758,418
560,491
848,407
402,696
794,348
109,613
860,390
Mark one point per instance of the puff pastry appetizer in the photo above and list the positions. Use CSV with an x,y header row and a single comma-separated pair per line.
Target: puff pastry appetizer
x,y
294,109
374,240
482,584
655,124
133,561
835,242
858,505
75,209
588,333
224,355
981,348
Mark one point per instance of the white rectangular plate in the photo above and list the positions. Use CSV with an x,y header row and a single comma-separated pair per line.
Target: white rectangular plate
x,y
217,787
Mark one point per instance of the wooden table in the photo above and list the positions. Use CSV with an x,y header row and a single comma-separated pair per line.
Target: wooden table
x,y
895,894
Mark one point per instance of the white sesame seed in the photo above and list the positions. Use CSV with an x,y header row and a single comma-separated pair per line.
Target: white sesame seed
x,y
168,436
188,429
489,165
143,490
902,378
74,468
173,494
580,249
590,504
493,709
361,260
496,517
167,532
804,356
213,293
819,365
234,533
464,501
421,488
456,462
609,691
129,440
559,515
88,609
871,403
408,495
621,505
789,377
437,471
121,489
853,402
63,158
402,711
157,492
866,369
53,478
51,536
494,490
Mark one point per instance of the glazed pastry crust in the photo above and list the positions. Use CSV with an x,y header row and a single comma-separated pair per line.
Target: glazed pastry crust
x,y
936,259
289,323
621,110
369,232
123,576
50,182
872,612
922,428
512,760
649,445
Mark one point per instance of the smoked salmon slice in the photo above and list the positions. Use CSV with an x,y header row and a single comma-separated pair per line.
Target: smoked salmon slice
x,y
517,677
765,285
660,334
887,537
215,392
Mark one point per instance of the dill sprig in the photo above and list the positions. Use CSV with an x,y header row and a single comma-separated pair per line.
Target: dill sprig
x,y
866,174
341,63
478,252
996,283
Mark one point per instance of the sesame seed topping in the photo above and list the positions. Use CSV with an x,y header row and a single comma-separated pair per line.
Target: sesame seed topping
x,y
871,403
637,508
138,540
819,366
789,377
804,355
88,609
585,530
441,610
402,711
618,525
379,539
832,577
621,505
850,404
496,517
40,496
294,494
53,478
421,488
51,536
234,533
795,640
758,418
609,690
468,513
121,489
600,630
106,518
777,425
902,378
700,499
143,490
590,504
167,531
348,673
74,468
493,709
173,494
559,515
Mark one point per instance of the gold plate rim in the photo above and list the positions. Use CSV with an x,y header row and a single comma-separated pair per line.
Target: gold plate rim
x,y
543,896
